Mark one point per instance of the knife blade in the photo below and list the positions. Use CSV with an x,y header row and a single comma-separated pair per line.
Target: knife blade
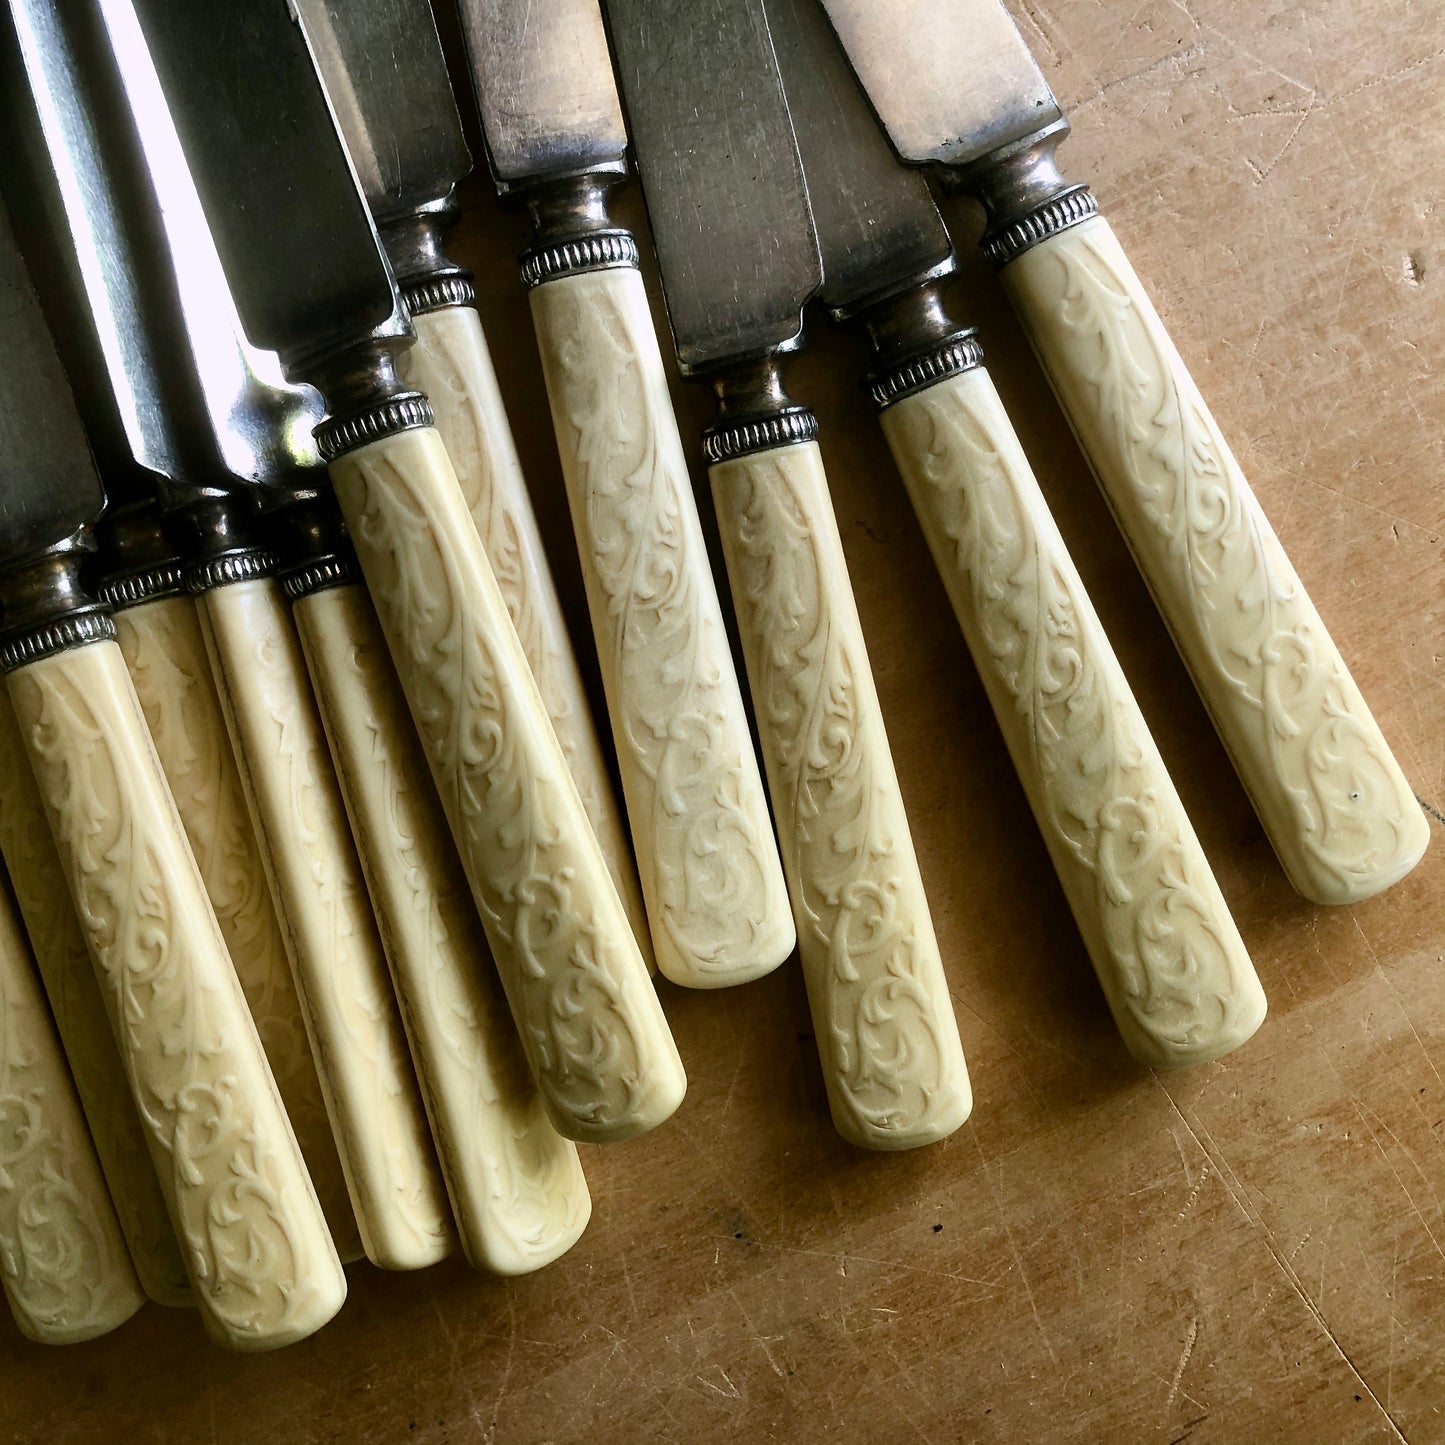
x,y
711,876
312,283
957,90
263,1269
404,135
1079,743
739,258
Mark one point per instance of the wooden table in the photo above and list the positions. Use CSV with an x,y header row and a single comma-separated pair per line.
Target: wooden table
x,y
1250,1251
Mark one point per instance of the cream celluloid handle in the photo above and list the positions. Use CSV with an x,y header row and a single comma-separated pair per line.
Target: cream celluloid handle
x,y
261,1260
705,848
1331,797
591,1024
58,944
165,652
1166,950
452,365
516,1185
63,1259
882,1016
316,881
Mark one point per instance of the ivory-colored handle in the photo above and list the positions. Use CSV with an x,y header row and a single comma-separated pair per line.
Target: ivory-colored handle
x,y
593,1029
1331,797
63,1258
165,651
260,1257
1173,966
316,883
882,1016
516,1185
452,365
58,945
705,848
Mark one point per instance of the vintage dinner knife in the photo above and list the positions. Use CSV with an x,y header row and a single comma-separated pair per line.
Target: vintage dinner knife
x,y
312,284
178,414
709,863
739,259
401,126
1161,937
958,91
261,1261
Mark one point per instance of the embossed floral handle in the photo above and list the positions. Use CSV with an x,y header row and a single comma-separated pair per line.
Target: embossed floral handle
x,y
63,1259
516,1185
165,652
591,1024
1331,797
452,365
883,1020
316,881
261,1260
1171,961
705,847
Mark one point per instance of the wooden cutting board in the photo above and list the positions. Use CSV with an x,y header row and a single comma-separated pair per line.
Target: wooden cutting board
x,y
1254,1250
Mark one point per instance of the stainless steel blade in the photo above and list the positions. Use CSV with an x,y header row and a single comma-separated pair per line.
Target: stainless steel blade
x,y
277,188
951,80
385,73
48,485
720,170
877,225
544,87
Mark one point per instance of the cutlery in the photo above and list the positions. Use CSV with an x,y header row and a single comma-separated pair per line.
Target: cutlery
x,y
709,864
958,91
739,259
312,284
404,136
1157,928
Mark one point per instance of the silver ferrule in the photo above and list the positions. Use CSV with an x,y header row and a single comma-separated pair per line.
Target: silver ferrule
x,y
755,412
46,606
365,397
573,230
915,342
428,279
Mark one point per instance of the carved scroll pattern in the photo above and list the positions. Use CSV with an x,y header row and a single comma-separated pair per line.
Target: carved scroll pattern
x,y
710,869
884,1022
165,652
516,1185
591,1024
62,1258
340,971
257,1249
451,363
1330,795
1166,949
38,878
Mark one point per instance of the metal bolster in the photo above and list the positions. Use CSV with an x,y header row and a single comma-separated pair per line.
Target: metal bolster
x,y
78,629
725,441
319,574
167,580
1022,233
957,354
595,251
435,293
338,435
231,567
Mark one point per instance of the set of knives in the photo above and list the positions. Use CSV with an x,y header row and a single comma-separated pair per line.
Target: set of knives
x,y
325,935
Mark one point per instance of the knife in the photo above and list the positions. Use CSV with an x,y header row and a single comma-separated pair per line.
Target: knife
x,y
313,285
63,1258
710,870
178,415
404,136
739,259
958,91
1158,930
261,1261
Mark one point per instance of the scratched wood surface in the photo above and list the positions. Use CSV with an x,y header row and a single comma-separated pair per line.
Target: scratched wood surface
x,y
1254,1250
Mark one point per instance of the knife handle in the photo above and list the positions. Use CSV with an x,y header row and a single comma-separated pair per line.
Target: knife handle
x,y
886,1034
1333,801
452,365
591,1024
337,962
260,1257
516,1185
709,862
1167,952
58,945
165,652
63,1259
